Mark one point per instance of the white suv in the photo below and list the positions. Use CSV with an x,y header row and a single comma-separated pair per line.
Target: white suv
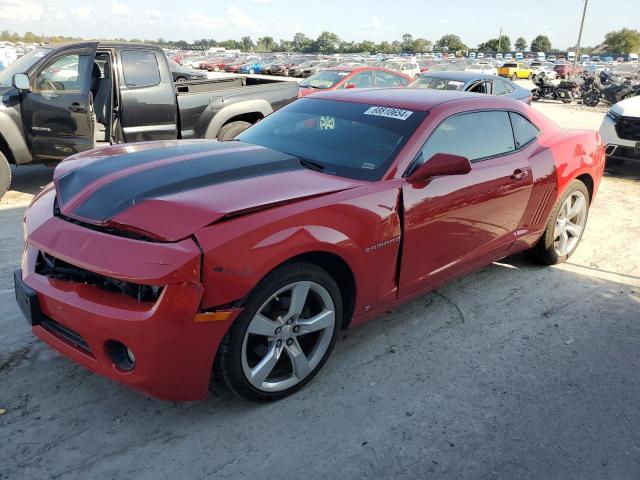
x,y
620,131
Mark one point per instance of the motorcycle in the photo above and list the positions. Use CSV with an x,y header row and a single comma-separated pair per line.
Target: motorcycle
x,y
605,89
548,91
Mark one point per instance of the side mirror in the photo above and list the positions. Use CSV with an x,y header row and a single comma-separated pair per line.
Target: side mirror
x,y
439,165
21,81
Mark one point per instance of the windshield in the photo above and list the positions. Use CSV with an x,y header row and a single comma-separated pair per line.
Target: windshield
x,y
21,65
324,79
348,139
437,83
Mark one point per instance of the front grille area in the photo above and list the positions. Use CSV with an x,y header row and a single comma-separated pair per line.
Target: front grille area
x,y
66,334
52,267
628,128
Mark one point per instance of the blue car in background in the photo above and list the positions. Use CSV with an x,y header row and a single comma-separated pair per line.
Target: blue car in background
x,y
255,66
472,82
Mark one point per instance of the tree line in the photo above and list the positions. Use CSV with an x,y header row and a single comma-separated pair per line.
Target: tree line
x,y
621,42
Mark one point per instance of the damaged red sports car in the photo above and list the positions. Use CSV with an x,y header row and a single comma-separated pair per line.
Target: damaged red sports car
x,y
155,264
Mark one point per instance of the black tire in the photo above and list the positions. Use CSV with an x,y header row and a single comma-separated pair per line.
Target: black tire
x,y
181,79
544,251
591,99
230,130
228,363
5,175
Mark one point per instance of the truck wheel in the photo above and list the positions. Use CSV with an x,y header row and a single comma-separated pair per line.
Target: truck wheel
x,y
283,336
230,130
5,175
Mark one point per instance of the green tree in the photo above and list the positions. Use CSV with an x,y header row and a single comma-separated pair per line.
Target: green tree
x,y
521,44
266,44
367,46
495,45
422,45
452,42
621,41
407,42
541,44
384,47
327,42
247,44
300,42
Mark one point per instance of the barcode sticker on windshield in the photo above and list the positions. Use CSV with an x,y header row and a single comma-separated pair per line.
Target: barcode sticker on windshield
x,y
389,112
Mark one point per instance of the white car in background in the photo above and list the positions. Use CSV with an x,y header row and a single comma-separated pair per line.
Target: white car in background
x,y
484,68
620,131
547,69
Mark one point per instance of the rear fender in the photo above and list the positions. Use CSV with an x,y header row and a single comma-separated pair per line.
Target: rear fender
x,y
241,108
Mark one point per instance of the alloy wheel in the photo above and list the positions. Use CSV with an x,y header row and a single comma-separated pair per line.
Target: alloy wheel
x,y
288,336
570,224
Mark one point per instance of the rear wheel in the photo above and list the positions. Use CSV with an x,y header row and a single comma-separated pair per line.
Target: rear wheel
x,y
181,79
565,227
284,335
5,175
230,130
591,99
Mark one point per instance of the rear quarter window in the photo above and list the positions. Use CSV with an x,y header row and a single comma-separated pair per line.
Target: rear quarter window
x,y
524,131
140,68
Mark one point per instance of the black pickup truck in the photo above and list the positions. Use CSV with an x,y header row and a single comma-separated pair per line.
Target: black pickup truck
x,y
60,100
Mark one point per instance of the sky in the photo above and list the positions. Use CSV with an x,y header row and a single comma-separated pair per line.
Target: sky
x,y
357,20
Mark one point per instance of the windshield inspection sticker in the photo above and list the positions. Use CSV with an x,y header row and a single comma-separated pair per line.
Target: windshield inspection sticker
x,y
389,113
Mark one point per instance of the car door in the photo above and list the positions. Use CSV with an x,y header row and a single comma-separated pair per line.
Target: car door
x,y
57,109
148,109
453,223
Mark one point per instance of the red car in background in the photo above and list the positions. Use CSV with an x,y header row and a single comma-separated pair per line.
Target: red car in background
x,y
234,65
352,77
214,64
565,70
150,263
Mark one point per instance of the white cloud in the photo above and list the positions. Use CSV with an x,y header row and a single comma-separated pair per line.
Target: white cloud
x,y
120,9
375,23
21,11
83,12
238,18
261,1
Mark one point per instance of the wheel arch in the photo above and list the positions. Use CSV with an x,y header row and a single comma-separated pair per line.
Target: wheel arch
x,y
12,142
587,179
340,271
248,111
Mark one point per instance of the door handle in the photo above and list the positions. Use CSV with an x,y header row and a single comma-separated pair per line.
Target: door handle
x,y
519,174
77,108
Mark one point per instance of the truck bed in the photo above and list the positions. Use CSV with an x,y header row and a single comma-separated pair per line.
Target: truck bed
x,y
212,85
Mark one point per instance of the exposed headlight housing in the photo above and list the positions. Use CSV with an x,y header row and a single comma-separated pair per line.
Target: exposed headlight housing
x,y
613,115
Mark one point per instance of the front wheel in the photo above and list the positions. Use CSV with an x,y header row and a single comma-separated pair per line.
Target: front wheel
x,y
181,80
5,175
284,335
565,227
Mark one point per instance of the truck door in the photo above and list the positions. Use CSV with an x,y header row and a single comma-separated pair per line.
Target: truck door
x,y
148,109
57,110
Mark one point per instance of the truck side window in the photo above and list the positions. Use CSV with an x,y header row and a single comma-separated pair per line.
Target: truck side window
x,y
140,68
65,73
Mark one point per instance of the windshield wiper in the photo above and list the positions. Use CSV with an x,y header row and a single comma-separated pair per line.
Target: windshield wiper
x,y
311,164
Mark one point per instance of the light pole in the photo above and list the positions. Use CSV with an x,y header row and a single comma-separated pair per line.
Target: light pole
x,y
584,13
500,41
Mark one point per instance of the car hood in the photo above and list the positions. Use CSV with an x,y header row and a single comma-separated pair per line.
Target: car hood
x,y
167,190
628,108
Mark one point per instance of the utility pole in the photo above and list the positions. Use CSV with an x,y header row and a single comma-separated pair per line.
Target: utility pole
x,y
584,13
500,41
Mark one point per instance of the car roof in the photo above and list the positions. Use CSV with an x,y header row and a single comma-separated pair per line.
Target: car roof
x,y
456,75
419,99
101,44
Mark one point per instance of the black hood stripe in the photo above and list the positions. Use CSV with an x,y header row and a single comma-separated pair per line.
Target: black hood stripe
x,y
117,196
76,180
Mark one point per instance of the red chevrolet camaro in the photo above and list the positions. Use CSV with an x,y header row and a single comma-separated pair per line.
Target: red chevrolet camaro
x,y
154,264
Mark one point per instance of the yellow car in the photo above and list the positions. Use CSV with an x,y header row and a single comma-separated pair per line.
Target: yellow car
x,y
515,70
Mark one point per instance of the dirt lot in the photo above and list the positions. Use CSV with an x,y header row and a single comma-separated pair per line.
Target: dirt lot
x,y
514,372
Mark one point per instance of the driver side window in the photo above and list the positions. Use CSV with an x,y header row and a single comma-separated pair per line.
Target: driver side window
x,y
68,73
361,80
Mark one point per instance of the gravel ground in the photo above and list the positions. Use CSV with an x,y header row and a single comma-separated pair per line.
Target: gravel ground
x,y
514,372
